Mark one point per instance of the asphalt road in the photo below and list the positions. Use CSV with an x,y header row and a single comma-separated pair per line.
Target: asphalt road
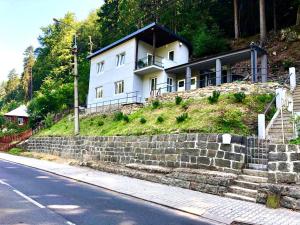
x,y
30,196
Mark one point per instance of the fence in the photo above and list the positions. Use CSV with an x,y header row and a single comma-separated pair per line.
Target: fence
x,y
114,104
8,142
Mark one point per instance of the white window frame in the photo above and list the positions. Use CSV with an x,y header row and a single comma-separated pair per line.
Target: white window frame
x,y
100,67
155,82
181,88
100,88
120,59
20,121
173,55
119,89
194,86
151,61
170,83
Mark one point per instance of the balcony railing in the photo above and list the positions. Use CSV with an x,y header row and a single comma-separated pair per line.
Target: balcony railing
x,y
148,61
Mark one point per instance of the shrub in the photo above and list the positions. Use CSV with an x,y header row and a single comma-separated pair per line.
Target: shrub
x,y
126,118
100,123
160,119
239,97
104,116
214,98
143,120
15,151
185,105
118,116
230,120
155,104
178,100
49,120
181,118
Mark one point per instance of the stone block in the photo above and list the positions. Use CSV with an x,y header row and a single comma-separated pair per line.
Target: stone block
x,y
220,154
288,202
237,165
203,160
277,156
226,147
222,163
203,153
271,166
233,156
213,146
289,178
202,137
281,148
185,158
296,167
212,138
284,167
292,148
295,156
211,153
272,148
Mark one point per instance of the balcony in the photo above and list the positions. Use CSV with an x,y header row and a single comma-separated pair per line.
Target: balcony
x,y
149,65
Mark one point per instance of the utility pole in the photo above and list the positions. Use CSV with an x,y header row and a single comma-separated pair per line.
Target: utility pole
x,y
75,71
31,83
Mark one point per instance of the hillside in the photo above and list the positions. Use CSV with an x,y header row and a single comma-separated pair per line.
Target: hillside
x,y
225,116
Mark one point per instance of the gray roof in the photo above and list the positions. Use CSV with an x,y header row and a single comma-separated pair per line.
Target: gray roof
x,y
21,111
165,33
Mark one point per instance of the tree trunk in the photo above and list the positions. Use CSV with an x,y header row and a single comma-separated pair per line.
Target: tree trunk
x,y
262,20
298,16
274,16
236,20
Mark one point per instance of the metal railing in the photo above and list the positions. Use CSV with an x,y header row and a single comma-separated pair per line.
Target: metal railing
x,y
114,104
149,61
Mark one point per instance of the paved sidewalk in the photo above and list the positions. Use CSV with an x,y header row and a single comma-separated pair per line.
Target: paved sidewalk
x,y
218,208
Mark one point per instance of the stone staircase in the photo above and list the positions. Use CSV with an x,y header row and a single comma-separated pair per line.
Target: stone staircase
x,y
275,131
245,187
296,99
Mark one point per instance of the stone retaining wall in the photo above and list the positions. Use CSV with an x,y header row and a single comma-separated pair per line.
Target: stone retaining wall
x,y
174,150
284,163
246,87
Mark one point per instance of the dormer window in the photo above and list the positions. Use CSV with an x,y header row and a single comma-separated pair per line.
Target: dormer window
x,y
120,59
171,55
100,67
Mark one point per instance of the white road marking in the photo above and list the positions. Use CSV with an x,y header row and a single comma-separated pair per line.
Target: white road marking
x,y
4,183
29,199
70,223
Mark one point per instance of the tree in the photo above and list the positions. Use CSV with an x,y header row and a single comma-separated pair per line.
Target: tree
x,y
297,2
262,19
27,74
236,19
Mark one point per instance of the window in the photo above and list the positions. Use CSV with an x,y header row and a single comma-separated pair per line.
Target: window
x,y
153,84
149,59
99,92
119,87
100,67
120,59
20,121
169,84
171,55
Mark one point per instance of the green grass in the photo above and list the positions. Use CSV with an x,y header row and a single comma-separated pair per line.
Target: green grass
x,y
15,151
225,116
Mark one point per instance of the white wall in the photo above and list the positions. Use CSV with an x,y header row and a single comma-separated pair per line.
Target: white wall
x,y
112,73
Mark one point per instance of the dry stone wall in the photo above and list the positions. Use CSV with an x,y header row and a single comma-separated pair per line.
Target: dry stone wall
x,y
172,150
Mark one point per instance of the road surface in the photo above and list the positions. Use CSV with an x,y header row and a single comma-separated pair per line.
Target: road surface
x,y
31,196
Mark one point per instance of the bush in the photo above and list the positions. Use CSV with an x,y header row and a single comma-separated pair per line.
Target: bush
x,y
49,120
155,104
118,116
160,119
104,116
143,120
126,118
15,151
100,123
214,98
239,97
178,100
230,120
185,105
181,118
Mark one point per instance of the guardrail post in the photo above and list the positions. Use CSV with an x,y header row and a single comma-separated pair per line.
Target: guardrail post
x,y
292,73
261,126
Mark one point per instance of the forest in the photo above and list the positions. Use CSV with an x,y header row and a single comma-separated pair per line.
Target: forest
x,y
212,26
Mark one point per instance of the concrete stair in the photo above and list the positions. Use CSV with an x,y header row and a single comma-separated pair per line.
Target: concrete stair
x,y
246,185
296,99
275,131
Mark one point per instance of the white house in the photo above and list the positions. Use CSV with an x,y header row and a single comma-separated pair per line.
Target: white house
x,y
155,60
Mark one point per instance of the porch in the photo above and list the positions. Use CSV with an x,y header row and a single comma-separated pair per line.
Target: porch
x,y
244,64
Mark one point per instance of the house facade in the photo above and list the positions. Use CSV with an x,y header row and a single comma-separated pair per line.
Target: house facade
x,y
18,116
155,60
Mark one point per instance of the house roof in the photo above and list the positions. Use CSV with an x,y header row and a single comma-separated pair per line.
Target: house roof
x,y
229,57
21,111
164,36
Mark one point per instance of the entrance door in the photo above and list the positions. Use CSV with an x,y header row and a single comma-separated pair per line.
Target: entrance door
x,y
181,85
169,84
193,83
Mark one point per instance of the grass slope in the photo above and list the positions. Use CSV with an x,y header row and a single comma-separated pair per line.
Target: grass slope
x,y
225,116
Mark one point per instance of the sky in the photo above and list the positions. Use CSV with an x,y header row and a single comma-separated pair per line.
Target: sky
x,y
20,23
